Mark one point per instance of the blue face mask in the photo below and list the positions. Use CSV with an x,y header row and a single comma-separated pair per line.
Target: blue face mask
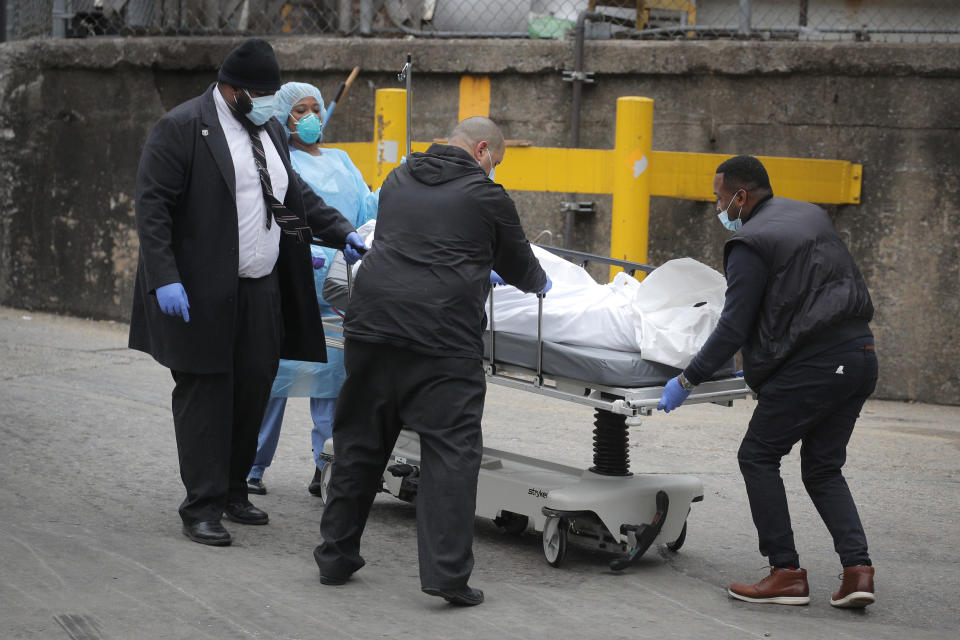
x,y
493,167
732,225
261,110
308,128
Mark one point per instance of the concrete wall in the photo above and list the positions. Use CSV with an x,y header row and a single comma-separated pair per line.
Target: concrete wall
x,y
74,115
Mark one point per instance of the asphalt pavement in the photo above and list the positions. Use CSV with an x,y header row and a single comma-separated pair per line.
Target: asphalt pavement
x,y
91,547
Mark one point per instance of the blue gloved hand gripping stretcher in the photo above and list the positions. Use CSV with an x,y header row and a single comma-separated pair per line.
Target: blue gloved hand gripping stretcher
x,y
605,506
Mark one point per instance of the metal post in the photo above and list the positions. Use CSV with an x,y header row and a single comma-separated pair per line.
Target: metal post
x,y
629,228
409,101
349,280
389,128
804,10
745,18
59,19
538,380
578,76
345,16
366,17
577,83
493,338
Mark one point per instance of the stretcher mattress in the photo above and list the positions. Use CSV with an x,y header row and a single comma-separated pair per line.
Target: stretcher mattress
x,y
586,364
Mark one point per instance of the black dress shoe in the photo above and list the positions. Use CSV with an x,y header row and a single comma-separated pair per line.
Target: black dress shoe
x,y
209,532
255,485
245,513
314,487
463,597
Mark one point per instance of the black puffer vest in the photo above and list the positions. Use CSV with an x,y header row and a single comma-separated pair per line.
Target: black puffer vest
x,y
813,283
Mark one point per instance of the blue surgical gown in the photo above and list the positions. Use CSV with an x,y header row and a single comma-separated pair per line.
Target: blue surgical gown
x,y
335,178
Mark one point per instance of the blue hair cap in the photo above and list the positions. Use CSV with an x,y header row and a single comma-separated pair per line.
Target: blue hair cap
x,y
290,94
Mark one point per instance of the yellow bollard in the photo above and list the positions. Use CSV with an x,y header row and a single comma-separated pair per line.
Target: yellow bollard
x,y
389,131
629,228
474,97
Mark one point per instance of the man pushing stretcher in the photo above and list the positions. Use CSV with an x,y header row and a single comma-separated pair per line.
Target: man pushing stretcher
x,y
798,308
413,332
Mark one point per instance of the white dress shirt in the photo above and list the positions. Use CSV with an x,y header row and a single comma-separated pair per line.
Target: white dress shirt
x,y
258,247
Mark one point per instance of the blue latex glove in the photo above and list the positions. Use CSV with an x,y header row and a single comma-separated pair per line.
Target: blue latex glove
x,y
318,262
354,248
172,299
495,278
673,396
739,374
547,286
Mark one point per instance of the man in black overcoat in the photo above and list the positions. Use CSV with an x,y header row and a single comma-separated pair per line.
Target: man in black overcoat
x,y
225,281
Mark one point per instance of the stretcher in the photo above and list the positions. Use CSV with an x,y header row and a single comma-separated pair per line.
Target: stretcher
x,y
606,506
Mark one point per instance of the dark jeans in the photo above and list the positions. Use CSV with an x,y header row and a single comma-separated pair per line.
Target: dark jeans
x,y
817,401
442,400
217,416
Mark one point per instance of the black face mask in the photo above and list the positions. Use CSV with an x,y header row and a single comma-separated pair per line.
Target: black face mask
x,y
242,102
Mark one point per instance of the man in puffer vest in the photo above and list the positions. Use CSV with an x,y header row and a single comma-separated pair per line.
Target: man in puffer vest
x,y
798,308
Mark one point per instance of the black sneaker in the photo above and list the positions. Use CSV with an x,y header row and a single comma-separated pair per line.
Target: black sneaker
x,y
255,485
463,597
315,485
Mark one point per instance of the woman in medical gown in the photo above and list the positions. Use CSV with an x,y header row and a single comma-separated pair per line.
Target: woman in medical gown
x,y
333,176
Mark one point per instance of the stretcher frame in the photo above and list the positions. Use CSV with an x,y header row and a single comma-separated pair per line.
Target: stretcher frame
x,y
606,506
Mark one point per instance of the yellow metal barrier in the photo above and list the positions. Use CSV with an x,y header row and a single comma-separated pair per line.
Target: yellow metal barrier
x,y
673,174
390,130
690,176
631,171
631,180
474,97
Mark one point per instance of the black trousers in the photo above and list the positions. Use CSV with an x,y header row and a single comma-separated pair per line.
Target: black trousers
x,y
816,401
217,416
442,400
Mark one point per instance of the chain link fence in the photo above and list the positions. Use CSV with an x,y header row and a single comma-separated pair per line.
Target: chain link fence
x,y
820,20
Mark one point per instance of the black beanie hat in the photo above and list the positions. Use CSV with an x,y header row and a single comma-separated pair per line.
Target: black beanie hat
x,y
252,65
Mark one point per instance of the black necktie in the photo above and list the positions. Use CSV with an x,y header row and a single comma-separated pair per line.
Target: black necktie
x,y
288,222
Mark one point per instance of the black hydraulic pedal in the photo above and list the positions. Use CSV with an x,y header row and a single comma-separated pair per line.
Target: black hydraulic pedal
x,y
645,533
410,485
403,470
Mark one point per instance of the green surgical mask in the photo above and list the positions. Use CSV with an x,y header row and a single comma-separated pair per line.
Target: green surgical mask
x,y
308,128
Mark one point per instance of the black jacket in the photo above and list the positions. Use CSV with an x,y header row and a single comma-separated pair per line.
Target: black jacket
x,y
187,223
814,294
441,226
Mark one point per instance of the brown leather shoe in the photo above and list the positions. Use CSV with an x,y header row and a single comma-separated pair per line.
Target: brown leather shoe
x,y
856,590
782,586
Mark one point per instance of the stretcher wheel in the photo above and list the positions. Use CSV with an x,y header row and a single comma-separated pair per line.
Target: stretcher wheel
x,y
676,544
325,474
555,540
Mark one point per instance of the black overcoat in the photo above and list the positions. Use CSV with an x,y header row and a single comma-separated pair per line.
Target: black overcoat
x,y
186,216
